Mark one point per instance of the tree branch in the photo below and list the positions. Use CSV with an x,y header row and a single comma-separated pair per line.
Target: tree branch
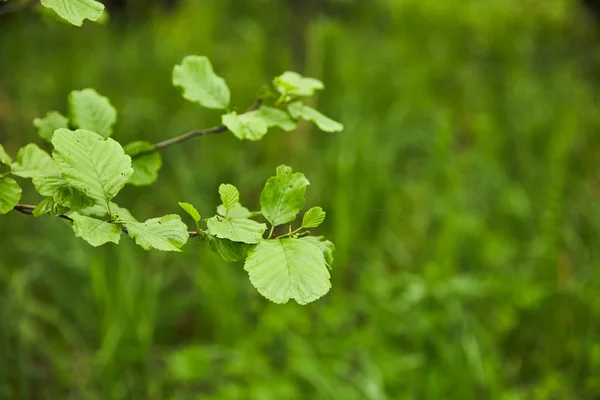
x,y
193,134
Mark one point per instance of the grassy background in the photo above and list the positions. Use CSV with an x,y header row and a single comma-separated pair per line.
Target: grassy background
x,y
462,198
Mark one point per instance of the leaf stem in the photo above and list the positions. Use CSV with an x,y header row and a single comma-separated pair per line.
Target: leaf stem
x,y
271,232
291,233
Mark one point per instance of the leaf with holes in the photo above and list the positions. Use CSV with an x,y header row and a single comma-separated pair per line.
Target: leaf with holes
x,y
75,11
326,124
91,111
287,269
283,196
200,83
50,123
167,233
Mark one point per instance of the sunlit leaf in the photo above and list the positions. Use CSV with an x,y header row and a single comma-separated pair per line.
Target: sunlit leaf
x,y
293,83
236,229
324,245
200,83
4,157
52,121
313,217
95,231
10,194
32,161
91,111
167,233
146,166
75,11
50,207
191,210
287,269
283,196
230,196
275,117
326,124
249,125
228,250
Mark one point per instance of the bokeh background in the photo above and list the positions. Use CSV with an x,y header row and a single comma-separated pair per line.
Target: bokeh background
x,y
463,198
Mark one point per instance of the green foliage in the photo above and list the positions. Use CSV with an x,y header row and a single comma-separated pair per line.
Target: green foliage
x,y
230,196
236,229
75,11
200,83
191,210
283,196
228,250
285,269
273,116
145,162
326,247
300,111
294,84
95,231
313,217
10,194
166,233
52,121
4,157
32,161
91,111
99,167
249,125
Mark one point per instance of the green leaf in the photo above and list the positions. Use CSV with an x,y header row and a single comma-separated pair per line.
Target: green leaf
x,y
51,122
10,194
191,210
33,161
230,196
55,186
238,211
313,217
75,11
91,111
236,229
228,250
145,167
167,233
286,269
95,231
326,124
275,117
99,167
293,83
50,207
245,126
4,157
324,245
283,196
200,84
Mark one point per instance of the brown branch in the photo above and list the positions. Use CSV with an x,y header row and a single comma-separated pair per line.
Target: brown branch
x,y
27,209
193,134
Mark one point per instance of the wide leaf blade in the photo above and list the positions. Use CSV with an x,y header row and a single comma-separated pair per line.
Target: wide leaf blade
x,y
200,83
146,166
248,126
242,230
91,111
283,196
313,217
167,233
95,231
52,121
10,194
75,11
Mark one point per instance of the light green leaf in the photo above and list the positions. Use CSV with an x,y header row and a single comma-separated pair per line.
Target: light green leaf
x,y
51,122
293,83
230,196
33,161
326,124
324,245
200,84
191,210
54,185
75,11
286,269
98,167
95,231
145,167
283,196
238,211
91,111
228,250
245,126
10,194
236,229
4,157
50,207
313,217
275,117
167,233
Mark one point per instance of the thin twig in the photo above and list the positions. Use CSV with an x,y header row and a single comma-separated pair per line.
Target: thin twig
x,y
193,134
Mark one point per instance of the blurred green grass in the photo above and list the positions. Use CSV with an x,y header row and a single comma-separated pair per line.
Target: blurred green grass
x,y
462,199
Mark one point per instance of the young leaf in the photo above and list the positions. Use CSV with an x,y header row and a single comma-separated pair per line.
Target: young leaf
x,y
238,211
191,210
91,111
275,117
324,245
96,166
145,167
50,207
326,124
236,229
230,196
75,11
313,217
10,194
228,250
95,231
4,157
33,161
167,233
200,84
52,184
286,269
293,83
51,122
245,126
283,196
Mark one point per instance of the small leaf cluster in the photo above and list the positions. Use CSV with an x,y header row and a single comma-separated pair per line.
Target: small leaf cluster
x,y
79,169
